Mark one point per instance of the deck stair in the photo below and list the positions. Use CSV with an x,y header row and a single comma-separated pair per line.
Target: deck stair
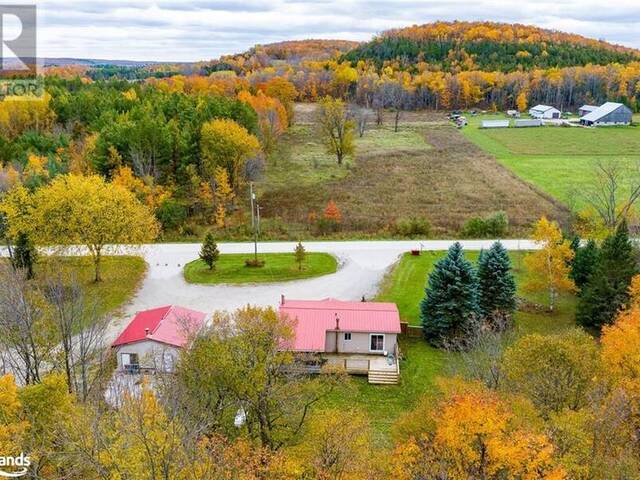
x,y
384,377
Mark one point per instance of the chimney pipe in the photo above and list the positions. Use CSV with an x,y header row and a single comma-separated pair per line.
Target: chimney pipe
x,y
146,332
281,299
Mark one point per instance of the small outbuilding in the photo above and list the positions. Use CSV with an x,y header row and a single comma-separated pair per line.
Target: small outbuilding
x,y
494,124
610,113
153,339
586,109
544,112
528,122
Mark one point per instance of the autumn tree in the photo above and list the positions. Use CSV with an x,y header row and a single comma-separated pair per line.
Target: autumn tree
x,y
285,91
549,265
451,297
607,289
336,446
473,433
224,143
209,252
554,371
336,129
249,365
223,195
332,212
74,210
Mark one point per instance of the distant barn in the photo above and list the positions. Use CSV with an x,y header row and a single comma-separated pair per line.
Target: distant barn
x,y
610,113
494,124
544,111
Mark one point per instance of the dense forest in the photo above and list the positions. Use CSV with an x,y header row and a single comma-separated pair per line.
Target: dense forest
x,y
487,46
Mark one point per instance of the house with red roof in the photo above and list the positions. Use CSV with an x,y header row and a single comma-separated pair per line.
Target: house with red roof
x,y
153,339
361,336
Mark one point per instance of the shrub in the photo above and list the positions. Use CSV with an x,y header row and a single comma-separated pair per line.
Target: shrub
x,y
412,227
171,214
495,225
254,263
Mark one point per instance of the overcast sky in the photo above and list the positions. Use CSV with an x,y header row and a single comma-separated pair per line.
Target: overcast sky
x,y
183,30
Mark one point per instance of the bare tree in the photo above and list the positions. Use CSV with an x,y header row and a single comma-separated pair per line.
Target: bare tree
x,y
361,116
614,191
26,337
80,329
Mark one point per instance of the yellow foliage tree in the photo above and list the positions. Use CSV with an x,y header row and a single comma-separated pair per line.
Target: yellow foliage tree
x,y
223,194
336,128
549,266
76,210
226,144
13,427
475,434
18,115
621,347
337,446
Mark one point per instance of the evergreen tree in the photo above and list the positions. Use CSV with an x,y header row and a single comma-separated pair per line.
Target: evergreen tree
x,y
300,254
451,297
496,283
584,263
209,252
606,290
24,254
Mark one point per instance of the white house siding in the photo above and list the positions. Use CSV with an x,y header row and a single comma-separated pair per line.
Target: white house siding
x,y
151,355
359,343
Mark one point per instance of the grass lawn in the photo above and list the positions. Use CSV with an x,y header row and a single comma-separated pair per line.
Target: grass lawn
x,y
279,267
423,363
121,277
557,160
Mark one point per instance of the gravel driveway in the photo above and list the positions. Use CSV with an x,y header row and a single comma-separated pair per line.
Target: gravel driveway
x,y
362,265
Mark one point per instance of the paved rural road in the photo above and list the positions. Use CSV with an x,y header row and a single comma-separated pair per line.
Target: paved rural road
x,y
362,266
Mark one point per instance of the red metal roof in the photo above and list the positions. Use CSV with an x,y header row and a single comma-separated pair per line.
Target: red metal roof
x,y
315,317
169,324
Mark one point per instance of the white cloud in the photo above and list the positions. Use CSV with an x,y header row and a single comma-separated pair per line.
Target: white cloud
x,y
172,30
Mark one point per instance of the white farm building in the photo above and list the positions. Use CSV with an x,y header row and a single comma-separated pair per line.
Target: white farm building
x,y
610,113
544,111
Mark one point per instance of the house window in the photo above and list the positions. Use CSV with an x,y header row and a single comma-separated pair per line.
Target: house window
x,y
130,362
347,336
376,342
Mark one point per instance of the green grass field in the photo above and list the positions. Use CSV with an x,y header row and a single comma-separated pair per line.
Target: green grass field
x,y
121,277
423,364
279,267
559,161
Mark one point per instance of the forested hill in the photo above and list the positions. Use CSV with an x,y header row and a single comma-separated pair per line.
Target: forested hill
x,y
458,46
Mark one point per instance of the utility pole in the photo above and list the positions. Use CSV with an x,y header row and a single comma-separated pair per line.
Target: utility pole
x,y
254,224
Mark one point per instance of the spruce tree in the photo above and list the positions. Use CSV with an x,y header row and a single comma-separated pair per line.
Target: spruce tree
x,y
606,290
24,255
209,252
496,283
300,254
584,263
451,297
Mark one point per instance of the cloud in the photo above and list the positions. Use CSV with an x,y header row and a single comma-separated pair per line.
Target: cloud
x,y
174,30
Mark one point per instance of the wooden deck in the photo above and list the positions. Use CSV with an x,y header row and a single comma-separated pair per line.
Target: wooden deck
x,y
376,367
